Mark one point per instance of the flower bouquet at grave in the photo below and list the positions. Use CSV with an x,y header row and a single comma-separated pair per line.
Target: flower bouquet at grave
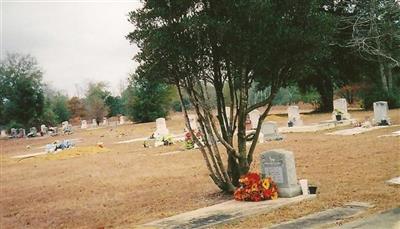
x,y
254,188
189,141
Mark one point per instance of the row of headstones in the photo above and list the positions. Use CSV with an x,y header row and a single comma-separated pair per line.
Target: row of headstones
x,y
21,132
84,123
340,113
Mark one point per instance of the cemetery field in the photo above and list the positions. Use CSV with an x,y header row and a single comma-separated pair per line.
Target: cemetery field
x,y
123,185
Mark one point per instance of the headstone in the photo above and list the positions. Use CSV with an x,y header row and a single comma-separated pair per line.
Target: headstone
x,y
121,120
279,164
270,131
84,124
43,129
254,117
340,108
161,128
381,116
21,133
105,121
294,116
228,112
3,133
193,121
64,124
14,132
94,122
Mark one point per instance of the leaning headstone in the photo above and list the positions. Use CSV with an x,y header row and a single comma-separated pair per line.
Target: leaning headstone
x,y
121,120
381,116
3,133
340,109
294,116
161,128
270,131
254,117
84,124
94,122
280,166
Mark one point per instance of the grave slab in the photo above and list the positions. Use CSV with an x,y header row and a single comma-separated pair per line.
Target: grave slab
x,y
355,131
389,219
324,218
224,212
394,181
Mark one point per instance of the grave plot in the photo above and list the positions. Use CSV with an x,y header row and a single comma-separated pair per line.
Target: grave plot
x,y
325,218
355,131
222,213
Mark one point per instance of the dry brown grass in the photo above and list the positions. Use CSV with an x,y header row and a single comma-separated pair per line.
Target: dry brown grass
x,y
127,184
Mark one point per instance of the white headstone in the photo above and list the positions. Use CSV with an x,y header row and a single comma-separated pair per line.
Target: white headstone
x,y
64,124
3,133
193,121
228,112
14,132
43,129
280,166
105,121
121,119
270,131
161,128
294,116
84,124
94,123
381,110
340,108
254,117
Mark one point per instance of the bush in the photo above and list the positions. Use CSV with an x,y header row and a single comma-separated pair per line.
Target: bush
x,y
373,94
176,105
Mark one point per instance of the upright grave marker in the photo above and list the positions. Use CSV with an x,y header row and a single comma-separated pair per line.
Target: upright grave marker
x,y
279,164
340,108
381,116
84,124
105,121
43,129
294,116
254,116
121,120
193,122
270,131
94,123
3,133
161,128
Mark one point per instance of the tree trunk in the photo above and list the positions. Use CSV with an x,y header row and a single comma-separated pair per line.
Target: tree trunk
x,y
325,89
383,76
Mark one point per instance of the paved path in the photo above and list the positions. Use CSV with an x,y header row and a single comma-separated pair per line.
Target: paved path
x,y
386,220
222,213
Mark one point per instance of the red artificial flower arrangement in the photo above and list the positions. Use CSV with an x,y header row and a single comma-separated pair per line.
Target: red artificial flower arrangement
x,y
254,188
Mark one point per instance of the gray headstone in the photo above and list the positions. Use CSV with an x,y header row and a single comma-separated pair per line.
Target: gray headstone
x,y
270,131
14,132
94,122
279,164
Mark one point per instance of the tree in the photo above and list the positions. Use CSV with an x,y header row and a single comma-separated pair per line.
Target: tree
x,y
21,93
59,105
96,96
146,100
77,107
375,34
203,46
114,103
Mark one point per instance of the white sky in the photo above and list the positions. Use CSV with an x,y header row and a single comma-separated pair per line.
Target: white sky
x,y
74,41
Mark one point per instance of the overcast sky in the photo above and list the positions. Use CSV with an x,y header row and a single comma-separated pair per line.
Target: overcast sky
x,y
74,41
